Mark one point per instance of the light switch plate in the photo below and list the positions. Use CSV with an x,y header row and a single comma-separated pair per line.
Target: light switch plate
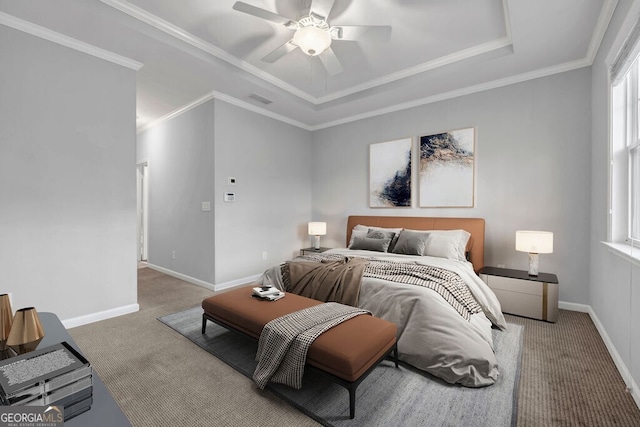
x,y
231,180
206,206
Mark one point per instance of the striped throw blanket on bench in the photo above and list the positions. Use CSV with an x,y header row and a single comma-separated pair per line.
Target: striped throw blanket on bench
x,y
285,341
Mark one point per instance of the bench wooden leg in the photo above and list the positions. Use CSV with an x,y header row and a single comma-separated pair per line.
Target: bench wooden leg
x,y
204,326
352,402
395,353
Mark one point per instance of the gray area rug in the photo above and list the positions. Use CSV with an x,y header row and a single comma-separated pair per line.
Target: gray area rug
x,y
388,396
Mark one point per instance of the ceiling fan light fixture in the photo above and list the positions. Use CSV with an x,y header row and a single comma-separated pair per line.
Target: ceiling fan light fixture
x,y
312,40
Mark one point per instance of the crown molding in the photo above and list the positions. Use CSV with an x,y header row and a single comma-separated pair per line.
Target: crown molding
x,y
431,65
58,38
507,81
544,72
421,68
260,110
606,13
228,99
191,105
180,34
604,18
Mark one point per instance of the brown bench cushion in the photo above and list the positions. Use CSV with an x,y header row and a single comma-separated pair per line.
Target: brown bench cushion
x,y
346,350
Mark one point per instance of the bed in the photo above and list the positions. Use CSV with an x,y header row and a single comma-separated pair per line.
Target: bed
x,y
444,322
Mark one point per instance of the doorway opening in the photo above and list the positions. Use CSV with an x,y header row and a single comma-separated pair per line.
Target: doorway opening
x,y
142,173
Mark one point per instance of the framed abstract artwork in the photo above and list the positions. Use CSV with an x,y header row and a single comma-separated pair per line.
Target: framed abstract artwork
x,y
390,174
446,169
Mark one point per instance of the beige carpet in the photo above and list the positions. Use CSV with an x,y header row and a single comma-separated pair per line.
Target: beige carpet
x,y
568,377
160,378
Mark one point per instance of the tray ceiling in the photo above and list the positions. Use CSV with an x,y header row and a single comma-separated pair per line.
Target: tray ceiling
x,y
194,49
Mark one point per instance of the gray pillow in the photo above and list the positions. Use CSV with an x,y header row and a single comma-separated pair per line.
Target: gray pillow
x,y
377,233
411,243
371,244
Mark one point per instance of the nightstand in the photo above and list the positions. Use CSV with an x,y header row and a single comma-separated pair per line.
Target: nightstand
x,y
524,295
313,250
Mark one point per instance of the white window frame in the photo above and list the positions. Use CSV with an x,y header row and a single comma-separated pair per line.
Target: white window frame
x,y
632,148
623,127
624,174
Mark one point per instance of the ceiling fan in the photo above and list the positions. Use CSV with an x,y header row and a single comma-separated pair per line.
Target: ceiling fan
x,y
313,33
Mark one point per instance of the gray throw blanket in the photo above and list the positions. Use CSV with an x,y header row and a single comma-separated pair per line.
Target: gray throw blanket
x,y
285,341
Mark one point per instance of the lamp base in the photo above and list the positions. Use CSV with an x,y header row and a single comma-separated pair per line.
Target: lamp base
x,y
533,264
316,242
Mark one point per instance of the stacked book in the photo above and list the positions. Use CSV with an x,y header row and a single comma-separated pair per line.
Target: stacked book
x,y
56,375
268,293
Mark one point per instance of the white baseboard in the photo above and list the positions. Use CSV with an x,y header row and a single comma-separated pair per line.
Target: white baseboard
x,y
571,306
202,283
617,360
181,276
100,315
132,308
237,282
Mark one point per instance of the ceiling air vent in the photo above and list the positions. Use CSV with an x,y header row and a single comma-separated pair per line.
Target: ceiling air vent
x,y
260,99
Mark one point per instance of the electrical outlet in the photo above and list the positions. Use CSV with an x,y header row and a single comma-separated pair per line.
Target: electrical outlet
x,y
501,266
173,254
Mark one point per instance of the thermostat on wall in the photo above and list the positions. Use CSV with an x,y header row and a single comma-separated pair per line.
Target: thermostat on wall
x,y
229,197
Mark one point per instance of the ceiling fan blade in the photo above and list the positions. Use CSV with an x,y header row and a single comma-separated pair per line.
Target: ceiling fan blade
x,y
265,14
331,62
279,52
320,9
373,33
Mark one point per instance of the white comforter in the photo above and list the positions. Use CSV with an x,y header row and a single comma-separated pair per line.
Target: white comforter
x,y
432,336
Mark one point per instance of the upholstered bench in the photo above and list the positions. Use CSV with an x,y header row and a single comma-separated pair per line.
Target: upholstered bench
x,y
346,353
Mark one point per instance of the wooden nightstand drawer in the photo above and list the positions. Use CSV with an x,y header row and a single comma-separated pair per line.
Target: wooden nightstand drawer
x,y
520,304
514,285
524,295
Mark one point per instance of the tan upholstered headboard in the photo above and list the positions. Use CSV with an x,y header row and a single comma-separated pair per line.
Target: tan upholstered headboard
x,y
475,226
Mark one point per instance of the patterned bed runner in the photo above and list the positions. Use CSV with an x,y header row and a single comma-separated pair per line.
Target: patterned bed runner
x,y
284,342
446,283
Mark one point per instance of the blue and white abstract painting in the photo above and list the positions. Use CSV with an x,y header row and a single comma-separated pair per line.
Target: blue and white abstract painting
x,y
390,174
446,169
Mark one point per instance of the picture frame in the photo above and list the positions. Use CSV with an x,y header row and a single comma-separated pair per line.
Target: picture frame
x,y
446,169
390,173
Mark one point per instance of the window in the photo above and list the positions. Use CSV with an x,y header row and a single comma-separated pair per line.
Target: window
x,y
625,157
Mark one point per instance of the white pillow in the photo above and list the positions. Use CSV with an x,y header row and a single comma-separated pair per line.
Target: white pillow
x,y
449,244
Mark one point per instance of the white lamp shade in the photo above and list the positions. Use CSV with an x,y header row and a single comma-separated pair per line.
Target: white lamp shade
x,y
312,40
535,242
317,228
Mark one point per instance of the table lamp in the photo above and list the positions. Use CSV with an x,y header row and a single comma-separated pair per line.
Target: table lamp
x,y
534,242
26,331
317,229
6,320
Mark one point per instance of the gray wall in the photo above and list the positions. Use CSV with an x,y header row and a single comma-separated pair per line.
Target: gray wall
x,y
179,153
190,159
272,163
532,169
614,281
67,178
